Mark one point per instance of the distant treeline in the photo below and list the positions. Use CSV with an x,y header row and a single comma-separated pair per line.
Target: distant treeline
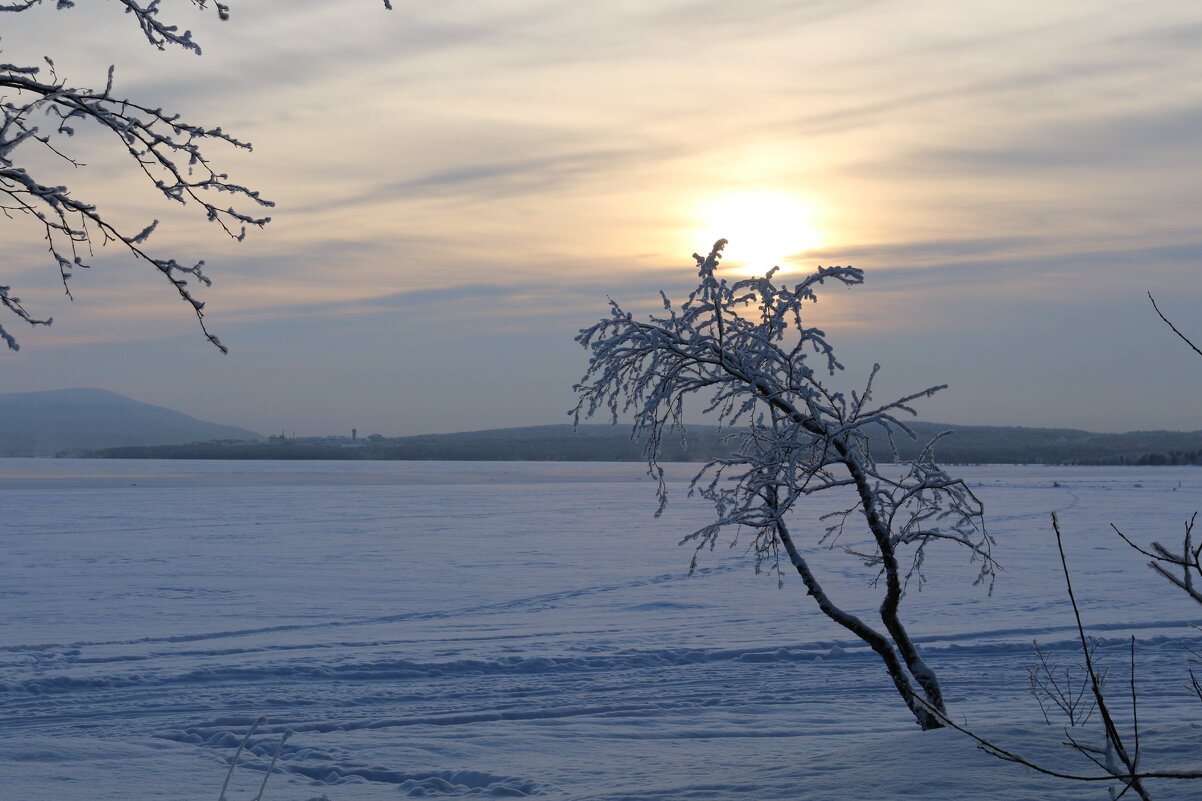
x,y
1172,458
967,445
517,445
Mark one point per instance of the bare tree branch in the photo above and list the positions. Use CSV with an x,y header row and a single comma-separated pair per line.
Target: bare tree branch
x,y
1120,765
1113,737
1058,686
1183,337
1188,561
1009,755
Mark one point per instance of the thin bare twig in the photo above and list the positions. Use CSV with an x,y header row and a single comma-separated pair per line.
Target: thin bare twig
x,y
1183,337
1189,560
1113,737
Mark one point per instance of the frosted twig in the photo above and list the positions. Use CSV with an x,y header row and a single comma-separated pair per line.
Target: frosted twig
x,y
234,762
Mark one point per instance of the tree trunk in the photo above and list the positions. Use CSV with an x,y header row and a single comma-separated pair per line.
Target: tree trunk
x,y
918,703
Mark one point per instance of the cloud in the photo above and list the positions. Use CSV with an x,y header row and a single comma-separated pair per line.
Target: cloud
x,y
501,178
1156,138
1181,36
716,19
489,181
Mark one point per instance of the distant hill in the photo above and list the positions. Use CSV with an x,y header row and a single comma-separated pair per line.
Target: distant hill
x,y
968,445
1021,445
47,423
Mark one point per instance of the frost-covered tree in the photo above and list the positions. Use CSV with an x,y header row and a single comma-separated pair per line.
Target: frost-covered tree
x,y
42,111
742,349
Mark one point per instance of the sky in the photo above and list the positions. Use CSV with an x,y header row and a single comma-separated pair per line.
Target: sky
x,y
460,186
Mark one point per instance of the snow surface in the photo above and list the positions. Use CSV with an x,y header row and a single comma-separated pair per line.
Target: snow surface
x,y
464,630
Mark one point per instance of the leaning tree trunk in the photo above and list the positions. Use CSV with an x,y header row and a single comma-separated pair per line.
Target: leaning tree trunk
x,y
900,664
897,651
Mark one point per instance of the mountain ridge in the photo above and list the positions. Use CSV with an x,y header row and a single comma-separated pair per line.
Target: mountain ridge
x,y
49,422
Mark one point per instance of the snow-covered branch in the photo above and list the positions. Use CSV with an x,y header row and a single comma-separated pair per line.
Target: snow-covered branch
x,y
157,32
40,111
164,147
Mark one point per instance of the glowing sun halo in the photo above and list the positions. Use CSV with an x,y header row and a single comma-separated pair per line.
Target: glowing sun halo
x,y
764,228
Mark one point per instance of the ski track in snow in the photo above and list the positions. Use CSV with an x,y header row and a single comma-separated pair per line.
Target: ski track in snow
x,y
529,630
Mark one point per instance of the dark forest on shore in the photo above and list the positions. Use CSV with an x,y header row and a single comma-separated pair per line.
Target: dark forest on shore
x,y
966,445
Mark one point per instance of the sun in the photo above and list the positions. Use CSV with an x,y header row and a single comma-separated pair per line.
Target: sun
x,y
764,228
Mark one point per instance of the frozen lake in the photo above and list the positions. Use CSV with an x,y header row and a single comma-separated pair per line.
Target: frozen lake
x,y
508,629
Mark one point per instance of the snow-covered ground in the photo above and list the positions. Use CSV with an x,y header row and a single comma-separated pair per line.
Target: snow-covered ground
x,y
504,629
